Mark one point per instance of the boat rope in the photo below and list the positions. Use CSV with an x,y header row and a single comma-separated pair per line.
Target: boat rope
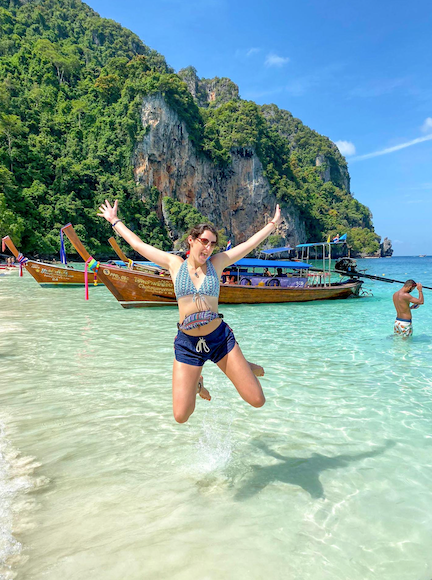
x,y
93,265
22,260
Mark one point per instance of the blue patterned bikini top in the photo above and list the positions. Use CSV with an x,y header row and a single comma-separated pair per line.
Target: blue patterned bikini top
x,y
184,286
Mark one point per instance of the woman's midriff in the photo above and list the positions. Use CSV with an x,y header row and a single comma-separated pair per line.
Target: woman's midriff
x,y
187,306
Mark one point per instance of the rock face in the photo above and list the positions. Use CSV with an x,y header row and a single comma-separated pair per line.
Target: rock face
x,y
331,164
237,198
209,91
386,248
321,161
333,172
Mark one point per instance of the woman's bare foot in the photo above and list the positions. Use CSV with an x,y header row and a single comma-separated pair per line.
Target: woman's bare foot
x,y
202,391
257,370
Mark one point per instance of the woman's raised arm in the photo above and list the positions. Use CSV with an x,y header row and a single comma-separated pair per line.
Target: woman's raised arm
x,y
153,254
224,259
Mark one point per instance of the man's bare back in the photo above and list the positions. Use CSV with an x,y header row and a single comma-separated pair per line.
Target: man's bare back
x,y
402,300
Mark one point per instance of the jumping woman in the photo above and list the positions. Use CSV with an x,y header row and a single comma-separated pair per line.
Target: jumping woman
x,y
202,334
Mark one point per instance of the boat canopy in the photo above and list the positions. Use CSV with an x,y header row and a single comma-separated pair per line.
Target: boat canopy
x,y
276,250
140,263
243,263
257,263
312,244
341,240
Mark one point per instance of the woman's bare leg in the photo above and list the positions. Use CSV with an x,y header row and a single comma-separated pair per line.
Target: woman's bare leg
x,y
187,382
239,371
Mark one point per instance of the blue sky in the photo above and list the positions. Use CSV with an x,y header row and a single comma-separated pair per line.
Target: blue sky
x,y
359,73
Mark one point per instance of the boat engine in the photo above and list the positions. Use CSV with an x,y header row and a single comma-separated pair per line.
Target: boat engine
x,y
346,265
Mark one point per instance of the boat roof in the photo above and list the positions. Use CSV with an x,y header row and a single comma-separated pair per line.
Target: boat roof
x,y
320,244
257,263
276,250
141,263
341,240
311,244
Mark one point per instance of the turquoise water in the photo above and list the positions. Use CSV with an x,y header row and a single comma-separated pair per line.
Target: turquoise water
x,y
331,479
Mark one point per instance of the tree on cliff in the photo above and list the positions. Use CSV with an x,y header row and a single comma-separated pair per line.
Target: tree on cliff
x,y
71,90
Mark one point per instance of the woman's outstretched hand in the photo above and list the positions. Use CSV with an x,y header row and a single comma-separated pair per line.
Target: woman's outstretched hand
x,y
277,216
108,211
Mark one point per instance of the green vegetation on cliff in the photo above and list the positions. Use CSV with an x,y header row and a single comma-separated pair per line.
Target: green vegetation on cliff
x,y
181,217
363,241
289,151
71,88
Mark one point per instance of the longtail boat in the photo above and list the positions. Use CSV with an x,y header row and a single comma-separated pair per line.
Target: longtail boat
x,y
135,289
47,274
140,267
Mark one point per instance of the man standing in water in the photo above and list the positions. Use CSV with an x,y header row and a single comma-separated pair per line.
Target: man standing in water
x,y
401,300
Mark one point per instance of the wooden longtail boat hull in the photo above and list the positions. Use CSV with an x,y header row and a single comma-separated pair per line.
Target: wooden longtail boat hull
x,y
135,289
49,274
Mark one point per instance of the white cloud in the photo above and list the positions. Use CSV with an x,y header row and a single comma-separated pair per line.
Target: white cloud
x,y
427,125
392,149
300,86
276,60
244,53
420,186
325,78
377,88
346,147
252,51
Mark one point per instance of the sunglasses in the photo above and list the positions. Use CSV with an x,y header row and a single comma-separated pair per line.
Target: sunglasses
x,y
206,242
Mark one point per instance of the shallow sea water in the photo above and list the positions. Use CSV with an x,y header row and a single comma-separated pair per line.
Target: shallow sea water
x,y
330,480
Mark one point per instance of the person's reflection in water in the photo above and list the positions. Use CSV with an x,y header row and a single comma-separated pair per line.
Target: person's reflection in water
x,y
300,471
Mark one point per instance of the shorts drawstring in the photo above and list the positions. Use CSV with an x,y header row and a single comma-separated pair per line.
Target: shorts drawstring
x,y
202,345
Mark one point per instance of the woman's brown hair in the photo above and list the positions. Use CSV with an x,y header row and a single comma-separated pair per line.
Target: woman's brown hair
x,y
198,230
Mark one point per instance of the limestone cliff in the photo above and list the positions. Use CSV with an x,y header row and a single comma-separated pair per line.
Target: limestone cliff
x,y
217,91
315,149
386,250
334,172
207,92
236,197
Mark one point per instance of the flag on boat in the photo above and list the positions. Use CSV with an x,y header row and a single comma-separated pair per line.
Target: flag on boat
x,y
328,239
229,245
63,258
338,238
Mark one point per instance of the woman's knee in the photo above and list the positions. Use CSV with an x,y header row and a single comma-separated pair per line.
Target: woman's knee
x,y
257,400
182,415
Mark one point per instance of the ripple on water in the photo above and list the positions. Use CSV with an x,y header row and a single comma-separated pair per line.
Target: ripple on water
x,y
17,480
330,480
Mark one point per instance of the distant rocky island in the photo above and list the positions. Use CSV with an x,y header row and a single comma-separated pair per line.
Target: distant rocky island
x,y
88,112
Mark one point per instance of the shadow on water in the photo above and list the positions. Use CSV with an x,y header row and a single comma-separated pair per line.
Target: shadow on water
x,y
301,471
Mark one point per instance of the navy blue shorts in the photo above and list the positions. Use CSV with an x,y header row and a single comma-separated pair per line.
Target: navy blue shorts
x,y
196,350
